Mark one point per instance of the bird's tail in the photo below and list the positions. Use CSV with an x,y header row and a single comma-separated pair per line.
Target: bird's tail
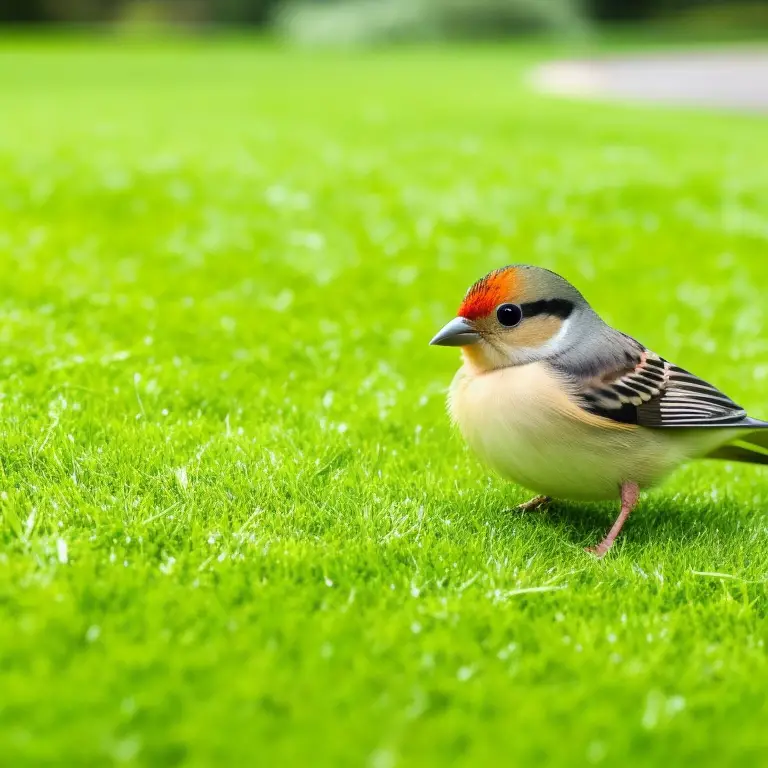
x,y
751,449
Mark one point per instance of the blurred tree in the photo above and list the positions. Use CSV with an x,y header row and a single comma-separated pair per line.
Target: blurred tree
x,y
24,11
504,16
40,11
366,22
81,10
624,10
642,10
251,12
246,12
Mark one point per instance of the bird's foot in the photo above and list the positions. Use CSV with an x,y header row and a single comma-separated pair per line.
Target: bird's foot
x,y
598,550
538,502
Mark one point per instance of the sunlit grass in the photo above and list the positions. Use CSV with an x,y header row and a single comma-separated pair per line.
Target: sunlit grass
x,y
236,525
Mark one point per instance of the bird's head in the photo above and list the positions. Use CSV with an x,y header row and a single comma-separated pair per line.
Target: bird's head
x,y
515,315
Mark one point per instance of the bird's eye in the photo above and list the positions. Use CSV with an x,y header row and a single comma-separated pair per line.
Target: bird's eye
x,y
509,315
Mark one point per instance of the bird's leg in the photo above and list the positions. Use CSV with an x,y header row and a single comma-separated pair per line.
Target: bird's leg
x,y
630,493
535,503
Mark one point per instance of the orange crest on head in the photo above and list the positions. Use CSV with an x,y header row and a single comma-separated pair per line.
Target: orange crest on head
x,y
486,294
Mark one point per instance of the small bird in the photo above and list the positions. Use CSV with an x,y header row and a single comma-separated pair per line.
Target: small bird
x,y
553,398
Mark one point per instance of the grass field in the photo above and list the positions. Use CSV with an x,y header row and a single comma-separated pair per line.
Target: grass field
x,y
236,526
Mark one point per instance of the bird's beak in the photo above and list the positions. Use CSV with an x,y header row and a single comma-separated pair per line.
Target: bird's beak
x,y
458,333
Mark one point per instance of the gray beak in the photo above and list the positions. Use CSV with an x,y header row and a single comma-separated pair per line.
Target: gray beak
x,y
458,333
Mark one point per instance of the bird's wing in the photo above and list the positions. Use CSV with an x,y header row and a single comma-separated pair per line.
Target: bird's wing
x,y
653,392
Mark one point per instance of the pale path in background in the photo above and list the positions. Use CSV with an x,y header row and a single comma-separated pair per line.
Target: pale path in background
x,y
735,79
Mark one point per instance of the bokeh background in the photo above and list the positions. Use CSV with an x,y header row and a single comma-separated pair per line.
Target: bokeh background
x,y
236,526
332,21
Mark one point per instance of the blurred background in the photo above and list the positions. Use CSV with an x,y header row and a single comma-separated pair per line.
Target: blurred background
x,y
234,518
361,21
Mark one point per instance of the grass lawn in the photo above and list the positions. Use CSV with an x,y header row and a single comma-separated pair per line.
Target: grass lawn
x,y
236,526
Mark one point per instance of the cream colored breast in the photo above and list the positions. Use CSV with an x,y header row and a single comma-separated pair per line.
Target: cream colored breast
x,y
522,421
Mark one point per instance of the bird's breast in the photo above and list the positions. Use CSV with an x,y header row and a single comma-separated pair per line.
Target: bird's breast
x,y
512,417
525,423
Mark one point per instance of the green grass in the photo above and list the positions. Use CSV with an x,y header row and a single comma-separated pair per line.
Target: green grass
x,y
236,526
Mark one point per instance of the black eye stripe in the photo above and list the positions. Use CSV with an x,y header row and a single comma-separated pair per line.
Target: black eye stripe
x,y
561,308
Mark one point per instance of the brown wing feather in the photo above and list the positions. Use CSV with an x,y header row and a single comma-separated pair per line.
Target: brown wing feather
x,y
655,393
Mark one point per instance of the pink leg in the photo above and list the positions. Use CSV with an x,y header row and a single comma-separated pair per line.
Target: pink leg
x,y
537,502
630,493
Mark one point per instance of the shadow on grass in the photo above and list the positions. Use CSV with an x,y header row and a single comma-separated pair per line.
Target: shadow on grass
x,y
658,519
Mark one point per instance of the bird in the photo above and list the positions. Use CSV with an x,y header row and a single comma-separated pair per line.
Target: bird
x,y
556,400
